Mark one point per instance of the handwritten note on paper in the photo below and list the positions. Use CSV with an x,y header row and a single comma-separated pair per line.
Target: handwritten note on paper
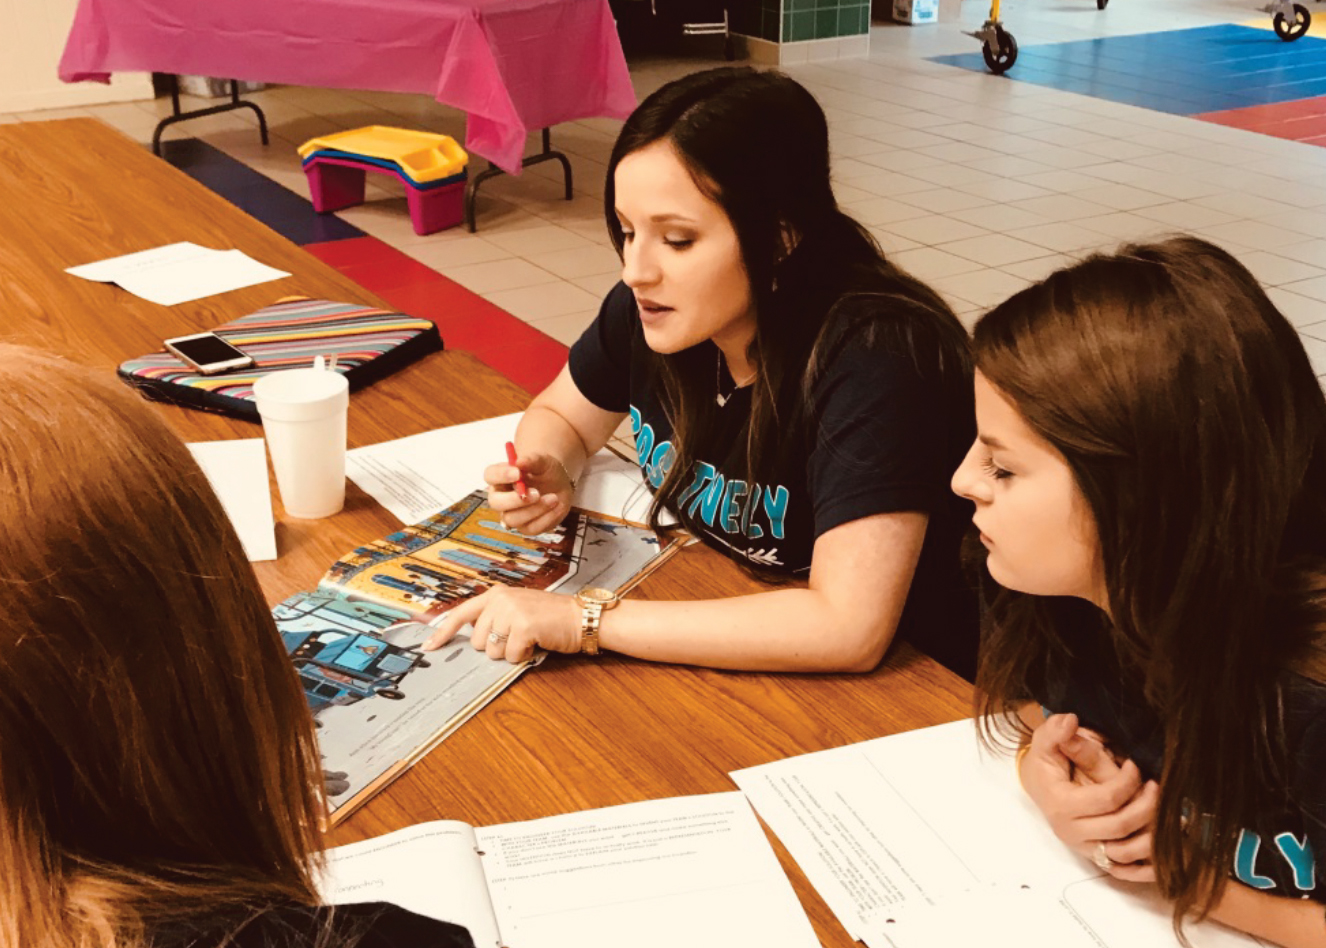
x,y
178,273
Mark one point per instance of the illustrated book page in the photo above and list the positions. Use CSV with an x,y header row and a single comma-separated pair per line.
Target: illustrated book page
x,y
380,701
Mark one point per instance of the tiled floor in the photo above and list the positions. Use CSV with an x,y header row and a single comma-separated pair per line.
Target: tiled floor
x,y
976,183
1185,72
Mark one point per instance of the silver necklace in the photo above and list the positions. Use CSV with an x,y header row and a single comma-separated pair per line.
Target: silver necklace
x,y
718,382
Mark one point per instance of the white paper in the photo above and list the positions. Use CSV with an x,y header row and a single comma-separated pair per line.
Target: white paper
x,y
912,839
612,485
178,273
237,471
688,871
415,477
695,871
431,870
1088,913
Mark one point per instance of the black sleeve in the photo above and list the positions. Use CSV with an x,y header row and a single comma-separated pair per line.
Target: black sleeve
x,y
358,925
393,927
600,361
883,441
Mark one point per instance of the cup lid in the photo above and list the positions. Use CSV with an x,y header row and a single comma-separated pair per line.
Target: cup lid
x,y
300,385
301,394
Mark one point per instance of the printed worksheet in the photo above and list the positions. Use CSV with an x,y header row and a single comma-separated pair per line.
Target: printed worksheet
x,y
695,871
925,840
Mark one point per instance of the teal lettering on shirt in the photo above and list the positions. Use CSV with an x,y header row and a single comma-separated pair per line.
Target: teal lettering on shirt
x,y
775,507
644,444
752,530
710,499
1245,861
660,464
732,505
703,474
1299,856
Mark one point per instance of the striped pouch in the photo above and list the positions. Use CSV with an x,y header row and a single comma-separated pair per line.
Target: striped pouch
x,y
369,344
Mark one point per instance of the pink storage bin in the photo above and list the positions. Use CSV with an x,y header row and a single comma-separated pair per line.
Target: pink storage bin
x,y
336,183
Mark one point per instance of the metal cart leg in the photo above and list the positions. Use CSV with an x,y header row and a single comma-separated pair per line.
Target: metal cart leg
x,y
179,116
714,29
472,188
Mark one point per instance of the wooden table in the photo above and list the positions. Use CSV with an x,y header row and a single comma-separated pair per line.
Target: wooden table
x,y
573,734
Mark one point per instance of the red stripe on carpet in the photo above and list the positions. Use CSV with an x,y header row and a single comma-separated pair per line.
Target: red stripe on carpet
x,y
466,320
1302,120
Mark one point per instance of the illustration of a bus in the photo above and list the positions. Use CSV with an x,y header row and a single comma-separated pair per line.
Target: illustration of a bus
x,y
325,608
340,668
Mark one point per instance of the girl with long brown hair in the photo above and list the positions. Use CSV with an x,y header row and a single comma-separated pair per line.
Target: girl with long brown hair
x,y
1150,486
797,403
159,774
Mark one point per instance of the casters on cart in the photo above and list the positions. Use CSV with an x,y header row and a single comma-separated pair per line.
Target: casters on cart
x,y
1291,20
998,47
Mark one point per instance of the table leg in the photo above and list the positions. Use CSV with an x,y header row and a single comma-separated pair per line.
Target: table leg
x,y
179,116
472,189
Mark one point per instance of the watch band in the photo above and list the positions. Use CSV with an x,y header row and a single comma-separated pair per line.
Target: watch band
x,y
594,601
591,614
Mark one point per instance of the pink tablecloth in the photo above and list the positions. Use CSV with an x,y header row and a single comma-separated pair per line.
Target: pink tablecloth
x,y
512,65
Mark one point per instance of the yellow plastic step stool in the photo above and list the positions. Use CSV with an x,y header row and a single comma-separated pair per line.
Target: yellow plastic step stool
x,y
424,156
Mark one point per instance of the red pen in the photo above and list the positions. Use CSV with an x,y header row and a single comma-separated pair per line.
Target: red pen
x,y
521,489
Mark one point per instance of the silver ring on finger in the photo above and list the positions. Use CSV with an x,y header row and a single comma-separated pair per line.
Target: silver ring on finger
x,y
499,638
1101,858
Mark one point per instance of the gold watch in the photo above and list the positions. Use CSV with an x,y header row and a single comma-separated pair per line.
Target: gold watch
x,y
593,603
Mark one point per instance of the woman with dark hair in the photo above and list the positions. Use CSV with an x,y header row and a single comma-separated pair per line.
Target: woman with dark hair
x,y
795,400
1150,485
160,778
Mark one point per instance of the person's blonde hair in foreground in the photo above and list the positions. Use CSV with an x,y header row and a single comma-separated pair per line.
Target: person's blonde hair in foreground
x,y
160,778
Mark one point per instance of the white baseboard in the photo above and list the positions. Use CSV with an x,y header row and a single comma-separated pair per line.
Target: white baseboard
x,y
768,53
125,87
761,51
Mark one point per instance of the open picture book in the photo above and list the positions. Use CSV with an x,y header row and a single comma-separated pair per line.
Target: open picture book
x,y
693,871
379,701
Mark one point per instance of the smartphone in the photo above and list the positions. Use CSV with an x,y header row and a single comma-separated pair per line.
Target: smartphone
x,y
208,353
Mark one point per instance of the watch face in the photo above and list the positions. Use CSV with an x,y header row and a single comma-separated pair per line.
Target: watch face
x,y
594,594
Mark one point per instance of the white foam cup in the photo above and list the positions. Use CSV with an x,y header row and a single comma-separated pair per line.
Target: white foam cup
x,y
303,417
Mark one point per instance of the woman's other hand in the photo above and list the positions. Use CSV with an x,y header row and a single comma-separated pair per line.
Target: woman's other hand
x,y
1099,808
547,497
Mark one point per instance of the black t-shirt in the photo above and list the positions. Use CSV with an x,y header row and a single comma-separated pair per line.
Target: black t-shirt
x,y
882,438
365,925
1282,852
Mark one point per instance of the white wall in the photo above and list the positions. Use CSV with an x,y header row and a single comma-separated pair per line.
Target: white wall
x,y
32,36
